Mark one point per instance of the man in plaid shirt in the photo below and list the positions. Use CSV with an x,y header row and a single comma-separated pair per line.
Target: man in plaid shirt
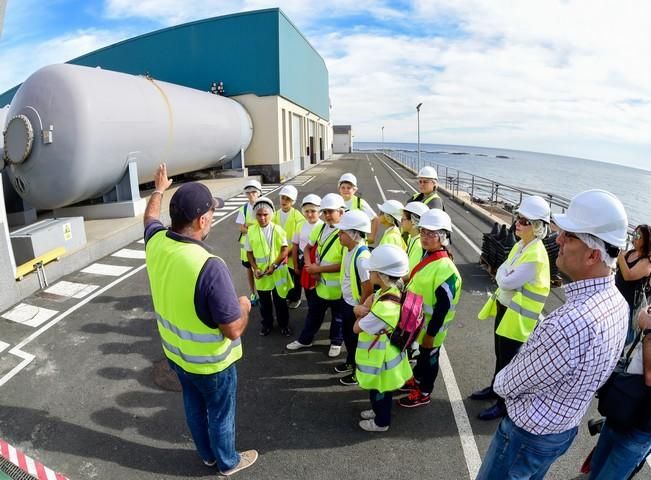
x,y
550,383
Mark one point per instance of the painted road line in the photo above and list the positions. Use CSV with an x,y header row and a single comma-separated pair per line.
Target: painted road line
x,y
220,214
3,346
129,253
29,315
142,241
236,202
472,244
384,198
230,211
468,443
28,464
71,289
107,270
229,208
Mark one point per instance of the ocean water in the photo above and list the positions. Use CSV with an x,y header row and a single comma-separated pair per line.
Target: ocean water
x,y
555,174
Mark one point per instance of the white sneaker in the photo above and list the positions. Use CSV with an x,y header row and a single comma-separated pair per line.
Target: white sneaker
x,y
334,351
247,458
367,414
295,304
370,426
296,345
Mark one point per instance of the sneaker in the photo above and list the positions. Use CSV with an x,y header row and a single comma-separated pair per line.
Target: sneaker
x,y
484,394
210,464
334,351
286,332
491,413
295,304
247,459
344,367
348,380
371,426
264,331
254,299
415,399
409,386
367,414
296,345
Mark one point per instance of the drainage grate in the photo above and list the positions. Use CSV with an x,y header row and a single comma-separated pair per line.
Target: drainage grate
x,y
13,471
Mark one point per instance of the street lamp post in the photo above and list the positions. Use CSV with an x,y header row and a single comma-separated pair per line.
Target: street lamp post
x,y
418,118
382,138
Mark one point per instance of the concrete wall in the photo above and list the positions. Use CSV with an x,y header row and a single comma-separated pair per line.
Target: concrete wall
x,y
342,143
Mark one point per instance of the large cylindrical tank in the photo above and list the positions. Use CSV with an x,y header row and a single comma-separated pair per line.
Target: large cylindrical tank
x,y
71,132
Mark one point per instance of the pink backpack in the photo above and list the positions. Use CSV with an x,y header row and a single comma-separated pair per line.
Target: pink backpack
x,y
411,319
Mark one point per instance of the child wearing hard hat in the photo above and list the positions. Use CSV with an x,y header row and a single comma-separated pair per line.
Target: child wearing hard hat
x,y
381,368
348,190
327,294
266,246
310,207
246,218
409,225
355,283
291,220
390,219
427,185
437,280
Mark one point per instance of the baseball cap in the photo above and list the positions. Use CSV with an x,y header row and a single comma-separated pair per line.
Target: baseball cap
x,y
191,201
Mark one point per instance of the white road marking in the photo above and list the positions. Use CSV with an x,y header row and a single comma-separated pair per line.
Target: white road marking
x,y
104,269
384,198
13,455
230,211
71,289
220,214
236,202
29,315
141,241
468,443
228,208
129,253
3,346
31,466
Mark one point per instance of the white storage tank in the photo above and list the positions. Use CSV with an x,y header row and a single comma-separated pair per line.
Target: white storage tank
x,y
71,132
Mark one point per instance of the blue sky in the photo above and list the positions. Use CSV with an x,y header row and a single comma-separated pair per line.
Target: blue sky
x,y
569,77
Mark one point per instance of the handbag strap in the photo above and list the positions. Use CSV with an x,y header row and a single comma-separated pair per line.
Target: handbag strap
x,y
627,358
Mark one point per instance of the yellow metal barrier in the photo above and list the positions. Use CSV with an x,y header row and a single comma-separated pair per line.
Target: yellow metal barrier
x,y
33,264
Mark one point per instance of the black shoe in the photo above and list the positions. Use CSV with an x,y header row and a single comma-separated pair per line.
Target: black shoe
x,y
484,394
264,331
348,380
344,368
491,413
286,332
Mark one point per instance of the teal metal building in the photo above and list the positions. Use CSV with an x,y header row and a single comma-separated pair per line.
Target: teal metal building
x,y
262,60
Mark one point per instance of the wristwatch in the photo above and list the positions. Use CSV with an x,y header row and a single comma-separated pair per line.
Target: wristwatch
x,y
275,265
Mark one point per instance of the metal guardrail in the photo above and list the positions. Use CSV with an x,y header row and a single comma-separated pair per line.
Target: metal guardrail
x,y
481,190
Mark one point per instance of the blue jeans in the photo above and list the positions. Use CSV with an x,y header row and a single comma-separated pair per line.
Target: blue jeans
x,y
210,413
515,453
381,405
618,453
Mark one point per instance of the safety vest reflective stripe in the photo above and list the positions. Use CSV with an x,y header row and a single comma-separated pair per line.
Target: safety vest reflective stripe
x,y
329,287
523,311
385,366
532,295
330,283
201,359
187,335
261,260
376,345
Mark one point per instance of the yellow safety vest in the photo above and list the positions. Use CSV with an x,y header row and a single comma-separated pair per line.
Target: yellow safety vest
x,y
379,365
328,286
427,200
249,219
293,224
392,236
173,268
265,255
352,269
414,251
522,314
441,272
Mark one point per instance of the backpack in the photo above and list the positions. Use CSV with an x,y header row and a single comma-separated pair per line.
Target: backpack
x,y
411,319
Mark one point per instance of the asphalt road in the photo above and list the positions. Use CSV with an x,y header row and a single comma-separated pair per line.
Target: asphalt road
x,y
86,404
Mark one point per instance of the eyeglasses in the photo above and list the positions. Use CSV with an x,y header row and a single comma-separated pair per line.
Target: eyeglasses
x,y
429,233
522,221
637,234
421,181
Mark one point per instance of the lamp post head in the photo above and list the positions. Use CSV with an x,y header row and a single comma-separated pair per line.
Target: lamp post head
x,y
418,106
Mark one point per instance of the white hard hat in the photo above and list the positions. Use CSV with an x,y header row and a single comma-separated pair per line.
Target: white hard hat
x,y
435,219
332,201
263,201
534,208
388,259
355,220
289,191
311,199
598,213
253,184
393,208
348,177
428,172
417,208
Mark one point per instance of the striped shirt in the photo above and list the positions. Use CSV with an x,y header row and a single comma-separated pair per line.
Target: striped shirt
x,y
550,383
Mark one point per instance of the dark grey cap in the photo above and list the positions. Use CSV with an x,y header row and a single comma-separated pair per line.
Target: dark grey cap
x,y
191,201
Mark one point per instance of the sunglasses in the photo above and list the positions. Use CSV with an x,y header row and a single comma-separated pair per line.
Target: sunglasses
x,y
429,233
522,221
637,234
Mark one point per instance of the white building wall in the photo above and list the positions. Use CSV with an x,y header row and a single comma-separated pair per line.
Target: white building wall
x,y
342,143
